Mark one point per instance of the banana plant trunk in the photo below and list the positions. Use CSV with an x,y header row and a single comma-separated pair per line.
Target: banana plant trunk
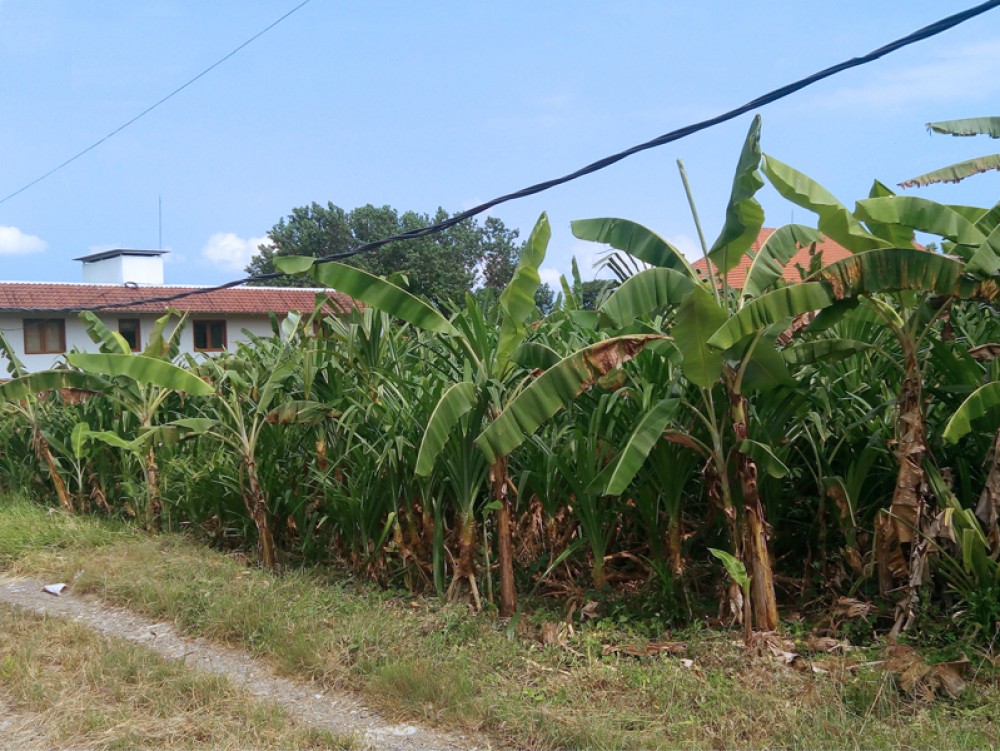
x,y
988,508
505,552
257,508
757,557
909,498
155,508
45,454
465,565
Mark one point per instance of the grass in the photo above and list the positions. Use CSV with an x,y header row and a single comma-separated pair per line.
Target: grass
x,y
65,686
421,659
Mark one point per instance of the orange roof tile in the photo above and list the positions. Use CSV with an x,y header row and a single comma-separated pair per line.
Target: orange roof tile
x,y
736,278
55,296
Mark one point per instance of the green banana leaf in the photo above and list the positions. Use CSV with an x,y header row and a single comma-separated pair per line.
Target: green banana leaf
x,y
15,367
534,356
143,370
967,126
555,389
895,235
985,262
28,385
774,255
649,430
644,293
635,240
781,304
455,402
766,370
922,215
698,317
835,221
955,173
892,270
980,403
517,301
375,291
744,215
78,439
109,341
821,350
764,457
165,348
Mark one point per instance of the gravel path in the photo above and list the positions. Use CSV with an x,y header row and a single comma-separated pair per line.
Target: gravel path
x,y
336,711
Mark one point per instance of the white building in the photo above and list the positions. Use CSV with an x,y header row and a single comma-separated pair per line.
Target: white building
x,y
38,321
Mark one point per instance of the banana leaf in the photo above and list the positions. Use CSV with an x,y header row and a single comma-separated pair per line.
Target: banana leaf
x,y
143,370
835,221
375,291
517,301
744,215
769,263
697,318
455,402
108,340
982,402
647,291
924,216
783,303
649,430
555,389
635,240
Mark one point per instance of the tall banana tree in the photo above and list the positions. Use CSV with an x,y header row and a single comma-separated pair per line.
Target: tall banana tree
x,y
696,310
138,384
921,286
25,403
254,394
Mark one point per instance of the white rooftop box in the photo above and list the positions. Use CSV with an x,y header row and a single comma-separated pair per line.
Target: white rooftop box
x,y
123,266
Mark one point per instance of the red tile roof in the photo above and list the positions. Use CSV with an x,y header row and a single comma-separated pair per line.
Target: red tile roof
x,y
55,296
736,278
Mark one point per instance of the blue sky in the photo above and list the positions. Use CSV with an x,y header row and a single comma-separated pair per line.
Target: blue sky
x,y
420,105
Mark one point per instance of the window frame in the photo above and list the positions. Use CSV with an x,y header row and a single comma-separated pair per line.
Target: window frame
x,y
137,347
46,348
206,324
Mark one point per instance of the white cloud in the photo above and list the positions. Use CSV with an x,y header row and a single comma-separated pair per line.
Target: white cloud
x,y
15,242
230,251
960,73
550,276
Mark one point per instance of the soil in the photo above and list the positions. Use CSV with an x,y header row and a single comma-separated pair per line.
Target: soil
x,y
336,711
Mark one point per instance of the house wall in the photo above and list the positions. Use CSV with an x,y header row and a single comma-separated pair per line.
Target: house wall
x,y
12,326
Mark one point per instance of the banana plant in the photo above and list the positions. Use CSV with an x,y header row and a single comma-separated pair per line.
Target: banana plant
x,y
696,311
911,290
25,403
252,388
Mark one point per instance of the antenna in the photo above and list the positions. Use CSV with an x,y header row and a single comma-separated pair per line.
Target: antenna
x,y
159,206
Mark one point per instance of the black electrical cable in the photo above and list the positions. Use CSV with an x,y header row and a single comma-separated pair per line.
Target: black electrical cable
x,y
152,107
772,96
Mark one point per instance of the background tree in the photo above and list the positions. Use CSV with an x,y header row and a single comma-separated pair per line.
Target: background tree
x,y
443,267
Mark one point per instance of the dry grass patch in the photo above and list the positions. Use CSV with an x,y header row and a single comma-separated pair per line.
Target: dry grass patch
x,y
65,686
421,659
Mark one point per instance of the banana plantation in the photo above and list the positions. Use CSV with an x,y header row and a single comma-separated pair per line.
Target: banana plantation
x,y
719,451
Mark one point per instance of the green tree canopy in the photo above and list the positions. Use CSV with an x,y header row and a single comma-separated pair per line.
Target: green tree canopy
x,y
441,267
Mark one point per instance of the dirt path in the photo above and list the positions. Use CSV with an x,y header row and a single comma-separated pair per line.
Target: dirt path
x,y
336,711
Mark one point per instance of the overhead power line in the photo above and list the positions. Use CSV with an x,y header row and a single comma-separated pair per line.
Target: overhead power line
x,y
152,107
926,32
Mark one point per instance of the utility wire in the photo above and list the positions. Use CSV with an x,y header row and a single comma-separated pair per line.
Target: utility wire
x,y
152,107
926,32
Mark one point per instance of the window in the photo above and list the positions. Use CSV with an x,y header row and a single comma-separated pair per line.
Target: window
x,y
209,336
44,336
129,329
